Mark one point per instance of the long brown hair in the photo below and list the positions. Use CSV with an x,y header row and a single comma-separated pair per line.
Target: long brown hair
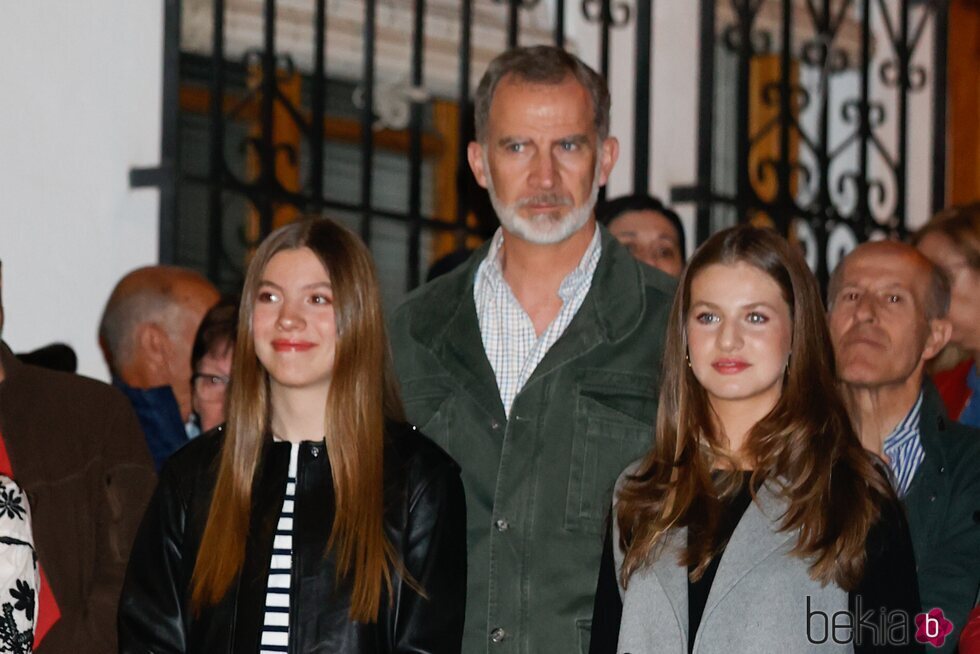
x,y
805,447
362,395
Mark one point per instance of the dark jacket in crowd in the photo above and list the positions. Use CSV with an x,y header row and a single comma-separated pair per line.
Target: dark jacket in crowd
x,y
944,514
77,451
424,521
159,416
538,485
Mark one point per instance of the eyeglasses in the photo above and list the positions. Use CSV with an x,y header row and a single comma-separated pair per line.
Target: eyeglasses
x,y
209,387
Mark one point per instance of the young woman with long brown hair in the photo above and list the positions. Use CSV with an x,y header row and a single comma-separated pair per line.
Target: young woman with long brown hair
x,y
315,520
757,520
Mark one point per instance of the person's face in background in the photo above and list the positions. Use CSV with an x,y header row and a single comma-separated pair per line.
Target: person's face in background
x,y
210,386
651,238
964,281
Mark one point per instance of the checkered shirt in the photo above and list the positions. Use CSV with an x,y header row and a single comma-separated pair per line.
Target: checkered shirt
x,y
513,348
904,449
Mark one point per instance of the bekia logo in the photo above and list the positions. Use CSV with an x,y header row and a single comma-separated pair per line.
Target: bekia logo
x,y
932,627
878,628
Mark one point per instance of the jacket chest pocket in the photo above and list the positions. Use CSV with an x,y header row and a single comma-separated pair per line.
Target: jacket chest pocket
x,y
428,405
613,427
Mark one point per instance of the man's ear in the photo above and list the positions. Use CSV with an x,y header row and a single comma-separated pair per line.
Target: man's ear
x,y
153,346
940,330
608,154
474,155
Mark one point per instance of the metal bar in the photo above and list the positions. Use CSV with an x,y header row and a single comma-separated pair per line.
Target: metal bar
x,y
513,22
560,23
939,100
706,108
284,196
267,155
367,119
784,196
317,102
904,55
642,105
415,151
862,211
463,111
605,19
743,183
169,139
823,144
216,155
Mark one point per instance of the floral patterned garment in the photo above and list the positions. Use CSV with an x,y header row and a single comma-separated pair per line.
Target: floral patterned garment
x,y
18,571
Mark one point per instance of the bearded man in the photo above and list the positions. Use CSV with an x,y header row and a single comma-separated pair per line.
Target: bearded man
x,y
535,364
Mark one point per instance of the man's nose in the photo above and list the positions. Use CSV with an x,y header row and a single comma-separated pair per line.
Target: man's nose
x,y
544,170
866,309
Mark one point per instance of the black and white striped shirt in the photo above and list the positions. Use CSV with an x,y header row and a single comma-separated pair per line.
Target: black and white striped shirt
x,y
275,627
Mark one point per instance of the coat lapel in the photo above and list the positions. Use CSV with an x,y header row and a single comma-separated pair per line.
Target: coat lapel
x,y
673,577
755,538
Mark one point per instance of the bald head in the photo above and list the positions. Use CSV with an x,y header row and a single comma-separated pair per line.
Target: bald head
x,y
148,326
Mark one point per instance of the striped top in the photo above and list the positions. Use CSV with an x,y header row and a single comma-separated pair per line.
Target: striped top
x,y
512,346
904,449
275,627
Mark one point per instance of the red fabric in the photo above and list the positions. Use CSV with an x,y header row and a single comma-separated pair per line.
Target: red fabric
x,y
953,388
970,636
47,607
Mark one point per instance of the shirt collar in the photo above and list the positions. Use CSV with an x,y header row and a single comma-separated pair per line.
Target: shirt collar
x,y
491,271
907,429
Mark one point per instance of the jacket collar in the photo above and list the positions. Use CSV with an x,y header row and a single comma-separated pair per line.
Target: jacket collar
x,y
618,275
612,309
755,538
933,421
12,366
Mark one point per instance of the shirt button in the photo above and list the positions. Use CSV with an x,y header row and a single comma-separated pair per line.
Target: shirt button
x,y
497,635
502,525
315,451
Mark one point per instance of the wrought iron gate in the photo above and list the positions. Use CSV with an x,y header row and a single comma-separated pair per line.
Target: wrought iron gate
x,y
827,160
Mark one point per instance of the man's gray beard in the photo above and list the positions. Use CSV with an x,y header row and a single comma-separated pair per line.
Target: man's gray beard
x,y
544,228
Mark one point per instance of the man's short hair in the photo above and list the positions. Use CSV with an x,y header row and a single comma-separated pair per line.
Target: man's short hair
x,y
541,64
148,294
937,291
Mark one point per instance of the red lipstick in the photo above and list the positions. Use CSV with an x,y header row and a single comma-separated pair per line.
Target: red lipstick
x,y
729,366
284,345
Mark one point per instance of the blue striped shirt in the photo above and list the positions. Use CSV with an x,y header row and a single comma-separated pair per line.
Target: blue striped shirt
x,y
903,447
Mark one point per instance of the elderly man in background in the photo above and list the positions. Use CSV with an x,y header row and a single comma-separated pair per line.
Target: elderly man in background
x,y
146,335
75,447
535,363
888,308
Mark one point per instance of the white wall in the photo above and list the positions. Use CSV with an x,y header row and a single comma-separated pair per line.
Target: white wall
x,y
79,107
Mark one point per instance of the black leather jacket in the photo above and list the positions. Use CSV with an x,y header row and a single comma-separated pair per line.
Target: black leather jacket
x,y
424,519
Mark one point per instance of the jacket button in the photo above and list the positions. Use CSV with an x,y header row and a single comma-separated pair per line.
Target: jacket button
x,y
932,498
315,451
497,635
942,469
494,425
502,525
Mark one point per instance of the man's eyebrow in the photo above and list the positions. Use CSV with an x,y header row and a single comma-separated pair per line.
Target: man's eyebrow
x,y
507,140
577,139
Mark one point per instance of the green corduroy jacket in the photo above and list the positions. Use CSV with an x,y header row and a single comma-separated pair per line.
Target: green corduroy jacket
x,y
943,505
538,485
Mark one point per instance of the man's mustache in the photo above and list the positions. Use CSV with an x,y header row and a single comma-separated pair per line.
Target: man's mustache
x,y
546,198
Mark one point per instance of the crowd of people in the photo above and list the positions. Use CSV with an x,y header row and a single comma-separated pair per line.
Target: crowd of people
x,y
577,440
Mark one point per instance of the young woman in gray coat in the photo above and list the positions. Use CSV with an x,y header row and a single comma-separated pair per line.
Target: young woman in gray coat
x,y
757,523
